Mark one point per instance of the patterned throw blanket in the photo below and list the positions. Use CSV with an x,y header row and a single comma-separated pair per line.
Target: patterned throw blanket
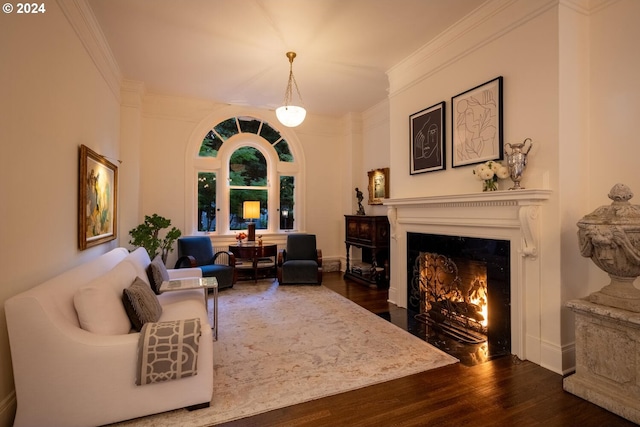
x,y
168,351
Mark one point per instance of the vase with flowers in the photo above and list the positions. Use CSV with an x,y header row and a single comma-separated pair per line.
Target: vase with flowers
x,y
489,173
240,237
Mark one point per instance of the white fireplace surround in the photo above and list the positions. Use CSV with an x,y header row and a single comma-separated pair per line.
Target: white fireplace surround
x,y
502,215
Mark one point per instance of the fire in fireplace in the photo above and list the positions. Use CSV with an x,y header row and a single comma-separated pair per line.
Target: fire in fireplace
x,y
453,298
459,287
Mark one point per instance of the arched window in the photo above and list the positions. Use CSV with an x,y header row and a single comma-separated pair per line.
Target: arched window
x,y
244,159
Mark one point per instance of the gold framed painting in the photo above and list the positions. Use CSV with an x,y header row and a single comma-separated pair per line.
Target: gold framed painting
x,y
97,199
378,185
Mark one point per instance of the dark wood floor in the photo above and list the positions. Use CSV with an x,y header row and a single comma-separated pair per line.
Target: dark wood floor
x,y
502,392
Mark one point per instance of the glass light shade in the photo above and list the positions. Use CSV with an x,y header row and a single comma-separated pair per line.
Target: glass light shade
x,y
291,115
251,210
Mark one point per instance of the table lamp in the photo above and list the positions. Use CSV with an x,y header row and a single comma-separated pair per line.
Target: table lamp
x,y
251,210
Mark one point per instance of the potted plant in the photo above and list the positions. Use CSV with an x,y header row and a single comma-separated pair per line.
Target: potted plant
x,y
146,236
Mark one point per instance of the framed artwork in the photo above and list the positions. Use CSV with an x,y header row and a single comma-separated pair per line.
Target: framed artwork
x,y
378,185
427,140
476,124
97,199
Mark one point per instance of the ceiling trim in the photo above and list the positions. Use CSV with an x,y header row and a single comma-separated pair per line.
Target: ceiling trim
x,y
491,20
84,23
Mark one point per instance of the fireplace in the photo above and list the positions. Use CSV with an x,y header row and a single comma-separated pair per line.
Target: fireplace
x,y
459,289
508,216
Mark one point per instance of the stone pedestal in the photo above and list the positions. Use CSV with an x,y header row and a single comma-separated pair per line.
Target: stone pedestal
x,y
607,358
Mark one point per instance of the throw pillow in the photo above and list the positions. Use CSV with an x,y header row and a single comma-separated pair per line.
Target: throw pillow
x,y
141,304
157,274
99,303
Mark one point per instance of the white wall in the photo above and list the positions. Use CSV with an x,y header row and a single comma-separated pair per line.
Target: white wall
x,y
52,99
169,124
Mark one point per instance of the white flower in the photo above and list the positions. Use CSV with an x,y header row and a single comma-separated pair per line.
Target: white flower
x,y
486,173
502,172
491,170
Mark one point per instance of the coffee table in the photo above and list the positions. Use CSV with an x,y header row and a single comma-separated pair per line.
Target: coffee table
x,y
204,283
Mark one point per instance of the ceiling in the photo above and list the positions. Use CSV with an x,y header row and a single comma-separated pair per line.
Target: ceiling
x,y
233,51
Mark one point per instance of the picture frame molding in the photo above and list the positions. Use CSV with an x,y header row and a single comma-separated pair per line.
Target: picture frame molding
x,y
88,159
378,192
458,156
418,139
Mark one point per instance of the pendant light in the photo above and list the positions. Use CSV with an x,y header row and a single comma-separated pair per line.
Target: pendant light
x,y
291,115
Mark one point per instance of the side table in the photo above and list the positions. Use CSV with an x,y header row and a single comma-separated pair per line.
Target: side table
x,y
255,252
204,283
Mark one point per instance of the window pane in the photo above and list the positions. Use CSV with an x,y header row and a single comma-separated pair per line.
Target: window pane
x,y
286,202
227,129
249,124
248,167
269,133
206,201
210,145
282,148
236,199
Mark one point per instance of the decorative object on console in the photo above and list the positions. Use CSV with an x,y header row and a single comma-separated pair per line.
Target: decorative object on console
x,y
489,172
378,185
427,140
291,115
610,237
251,211
359,197
146,235
97,199
517,161
476,124
240,237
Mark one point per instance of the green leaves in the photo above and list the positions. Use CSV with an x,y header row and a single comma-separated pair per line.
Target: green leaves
x,y
146,234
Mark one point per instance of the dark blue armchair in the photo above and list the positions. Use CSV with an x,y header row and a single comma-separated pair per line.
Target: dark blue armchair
x,y
301,262
197,251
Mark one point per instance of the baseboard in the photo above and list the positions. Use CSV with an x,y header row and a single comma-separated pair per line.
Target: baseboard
x,y
330,264
8,410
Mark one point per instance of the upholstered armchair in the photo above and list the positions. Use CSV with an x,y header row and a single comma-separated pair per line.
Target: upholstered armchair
x,y
300,262
197,251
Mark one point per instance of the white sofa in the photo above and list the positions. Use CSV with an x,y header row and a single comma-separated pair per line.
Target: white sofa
x,y
67,376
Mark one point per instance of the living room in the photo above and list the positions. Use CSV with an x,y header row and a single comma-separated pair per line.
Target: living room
x,y
569,84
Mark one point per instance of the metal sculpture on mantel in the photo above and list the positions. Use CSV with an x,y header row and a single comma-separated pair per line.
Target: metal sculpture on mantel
x,y
517,161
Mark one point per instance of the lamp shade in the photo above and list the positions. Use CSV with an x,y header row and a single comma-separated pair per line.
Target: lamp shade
x,y
251,210
291,115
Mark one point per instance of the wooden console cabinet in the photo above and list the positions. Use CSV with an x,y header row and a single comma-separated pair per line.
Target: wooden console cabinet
x,y
371,234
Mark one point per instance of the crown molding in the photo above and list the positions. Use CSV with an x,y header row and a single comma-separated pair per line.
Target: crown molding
x,y
84,23
490,21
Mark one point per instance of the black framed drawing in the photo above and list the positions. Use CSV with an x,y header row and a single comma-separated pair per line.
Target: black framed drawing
x,y
476,124
97,199
427,140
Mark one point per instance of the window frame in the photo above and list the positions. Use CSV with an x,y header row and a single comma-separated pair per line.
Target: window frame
x,y
220,166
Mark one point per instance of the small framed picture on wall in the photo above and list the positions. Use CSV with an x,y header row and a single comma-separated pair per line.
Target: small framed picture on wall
x,y
427,145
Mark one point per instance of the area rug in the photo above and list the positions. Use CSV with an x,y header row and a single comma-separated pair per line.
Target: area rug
x,y
283,345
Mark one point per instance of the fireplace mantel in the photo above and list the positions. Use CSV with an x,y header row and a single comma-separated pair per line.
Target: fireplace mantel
x,y
498,198
506,215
